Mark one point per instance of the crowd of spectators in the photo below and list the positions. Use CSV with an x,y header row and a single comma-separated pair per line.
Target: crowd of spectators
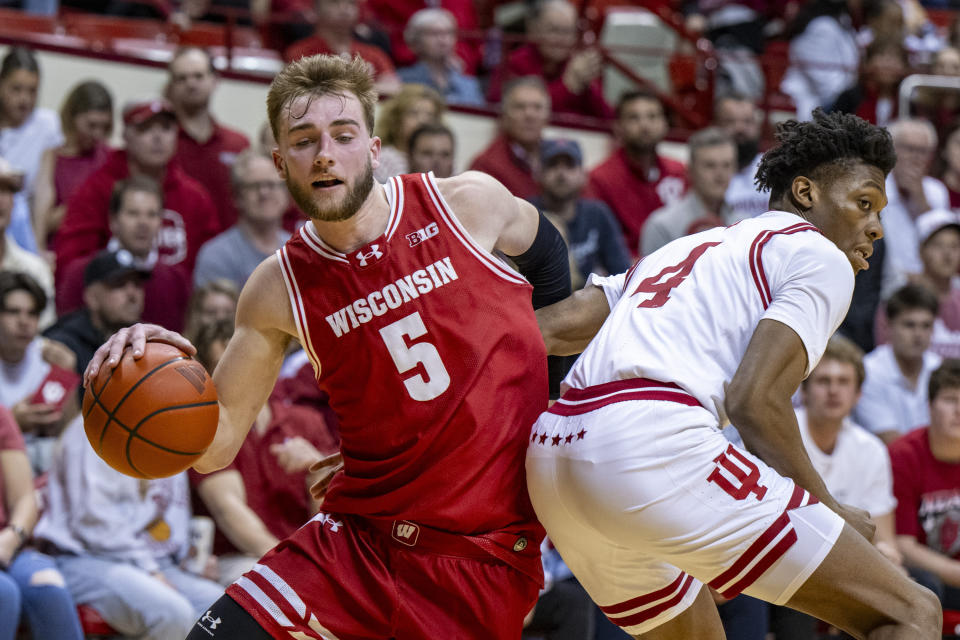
x,y
168,227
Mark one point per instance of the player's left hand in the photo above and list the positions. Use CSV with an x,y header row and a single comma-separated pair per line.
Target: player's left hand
x,y
323,471
859,520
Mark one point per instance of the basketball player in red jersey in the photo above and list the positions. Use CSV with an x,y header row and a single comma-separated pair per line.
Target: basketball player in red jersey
x,y
433,360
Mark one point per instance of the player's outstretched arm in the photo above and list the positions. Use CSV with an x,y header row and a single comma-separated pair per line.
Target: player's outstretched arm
x,y
569,325
251,363
758,404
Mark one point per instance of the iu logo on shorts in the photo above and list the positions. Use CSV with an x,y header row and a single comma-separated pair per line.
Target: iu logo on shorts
x,y
374,254
737,475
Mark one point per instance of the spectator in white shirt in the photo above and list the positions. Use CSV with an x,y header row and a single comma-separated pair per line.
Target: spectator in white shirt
x,y
739,116
911,192
25,133
852,462
894,397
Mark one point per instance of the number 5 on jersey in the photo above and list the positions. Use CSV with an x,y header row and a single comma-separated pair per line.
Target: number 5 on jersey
x,y
408,357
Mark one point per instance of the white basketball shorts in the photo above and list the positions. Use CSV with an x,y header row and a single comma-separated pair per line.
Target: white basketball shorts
x,y
646,501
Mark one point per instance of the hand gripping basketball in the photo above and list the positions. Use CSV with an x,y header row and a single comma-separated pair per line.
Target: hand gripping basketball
x,y
153,416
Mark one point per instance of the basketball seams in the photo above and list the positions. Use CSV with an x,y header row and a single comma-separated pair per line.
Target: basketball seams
x,y
111,413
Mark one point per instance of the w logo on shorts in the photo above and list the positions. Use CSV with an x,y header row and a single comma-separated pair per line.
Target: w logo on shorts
x,y
405,532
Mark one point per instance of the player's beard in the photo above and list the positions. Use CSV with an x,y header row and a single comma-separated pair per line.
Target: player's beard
x,y
336,212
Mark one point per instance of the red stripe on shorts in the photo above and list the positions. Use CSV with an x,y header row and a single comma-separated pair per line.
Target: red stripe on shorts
x,y
645,599
574,402
722,582
653,612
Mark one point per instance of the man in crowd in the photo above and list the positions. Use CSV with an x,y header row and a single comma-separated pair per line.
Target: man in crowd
x,y
37,375
261,198
712,162
513,157
635,180
189,216
205,148
592,235
432,148
912,192
136,216
431,34
112,297
852,462
739,116
12,256
573,76
926,483
894,398
334,34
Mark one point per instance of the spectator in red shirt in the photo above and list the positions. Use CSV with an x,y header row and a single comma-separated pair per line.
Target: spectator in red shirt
x,y
926,484
136,214
263,495
190,217
205,149
513,157
333,34
573,77
635,181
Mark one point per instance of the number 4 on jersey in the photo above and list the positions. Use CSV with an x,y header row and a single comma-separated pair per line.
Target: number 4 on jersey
x,y
664,282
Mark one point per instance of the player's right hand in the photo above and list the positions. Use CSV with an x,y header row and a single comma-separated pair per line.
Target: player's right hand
x,y
859,520
135,337
322,471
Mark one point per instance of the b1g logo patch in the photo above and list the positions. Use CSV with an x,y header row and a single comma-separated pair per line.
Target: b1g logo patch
x,y
420,235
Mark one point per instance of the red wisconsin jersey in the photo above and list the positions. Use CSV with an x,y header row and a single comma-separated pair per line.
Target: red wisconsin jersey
x,y
430,351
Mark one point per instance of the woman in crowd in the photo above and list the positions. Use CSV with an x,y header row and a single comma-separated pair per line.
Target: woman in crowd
x,y
30,585
87,120
25,133
214,301
413,106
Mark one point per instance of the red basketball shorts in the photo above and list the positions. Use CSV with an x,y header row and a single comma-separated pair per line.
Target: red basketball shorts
x,y
340,578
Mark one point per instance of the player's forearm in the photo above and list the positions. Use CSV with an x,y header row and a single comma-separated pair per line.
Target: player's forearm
x,y
226,443
920,556
770,431
569,325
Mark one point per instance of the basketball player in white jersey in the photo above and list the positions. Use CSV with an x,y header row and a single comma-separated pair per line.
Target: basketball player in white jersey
x,y
628,471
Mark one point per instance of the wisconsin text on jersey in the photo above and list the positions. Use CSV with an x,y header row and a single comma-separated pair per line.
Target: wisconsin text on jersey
x,y
391,296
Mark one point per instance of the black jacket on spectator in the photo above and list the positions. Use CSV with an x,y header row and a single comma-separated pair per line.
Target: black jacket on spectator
x,y
858,325
77,332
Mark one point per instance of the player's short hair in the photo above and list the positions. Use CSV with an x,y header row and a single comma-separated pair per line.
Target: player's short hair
x,y
208,335
910,297
11,281
844,350
142,183
829,141
946,376
709,137
321,75
633,95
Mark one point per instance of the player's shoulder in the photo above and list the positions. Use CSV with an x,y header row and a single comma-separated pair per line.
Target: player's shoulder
x,y
474,191
264,301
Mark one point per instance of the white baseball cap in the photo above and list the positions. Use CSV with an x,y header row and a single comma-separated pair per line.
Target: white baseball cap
x,y
935,220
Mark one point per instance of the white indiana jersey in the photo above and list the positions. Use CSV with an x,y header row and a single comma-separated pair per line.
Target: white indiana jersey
x,y
685,314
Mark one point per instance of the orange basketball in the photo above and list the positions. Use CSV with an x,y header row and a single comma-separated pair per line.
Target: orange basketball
x,y
151,417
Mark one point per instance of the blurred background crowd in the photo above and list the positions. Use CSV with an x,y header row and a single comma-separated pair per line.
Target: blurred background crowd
x,y
137,184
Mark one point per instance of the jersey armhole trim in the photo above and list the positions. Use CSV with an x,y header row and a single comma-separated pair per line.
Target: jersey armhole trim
x,y
756,257
296,305
452,223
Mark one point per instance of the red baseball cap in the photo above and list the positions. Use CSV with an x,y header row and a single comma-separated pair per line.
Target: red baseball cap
x,y
140,111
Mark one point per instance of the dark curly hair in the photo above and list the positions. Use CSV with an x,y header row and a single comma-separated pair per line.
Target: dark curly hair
x,y
829,140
